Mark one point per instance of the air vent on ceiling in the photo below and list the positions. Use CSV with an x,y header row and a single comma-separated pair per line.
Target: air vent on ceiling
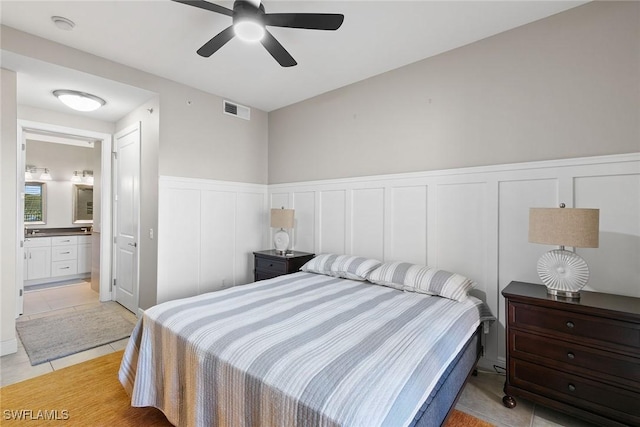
x,y
236,110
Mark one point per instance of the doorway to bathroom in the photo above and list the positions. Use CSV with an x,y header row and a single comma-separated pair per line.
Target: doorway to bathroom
x,y
65,217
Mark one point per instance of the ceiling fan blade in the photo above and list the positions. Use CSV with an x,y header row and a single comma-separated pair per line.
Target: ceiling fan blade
x,y
309,21
207,6
276,50
210,47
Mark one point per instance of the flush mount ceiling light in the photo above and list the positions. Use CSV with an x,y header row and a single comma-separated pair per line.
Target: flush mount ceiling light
x,y
63,23
79,101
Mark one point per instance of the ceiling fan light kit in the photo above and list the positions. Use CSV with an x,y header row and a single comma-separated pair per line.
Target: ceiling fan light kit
x,y
250,22
248,31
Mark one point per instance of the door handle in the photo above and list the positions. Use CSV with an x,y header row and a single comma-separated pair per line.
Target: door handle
x,y
134,244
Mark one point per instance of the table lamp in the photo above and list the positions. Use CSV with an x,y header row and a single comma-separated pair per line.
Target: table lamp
x,y
282,219
564,272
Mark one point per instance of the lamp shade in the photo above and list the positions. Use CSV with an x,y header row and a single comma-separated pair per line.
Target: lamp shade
x,y
573,227
282,218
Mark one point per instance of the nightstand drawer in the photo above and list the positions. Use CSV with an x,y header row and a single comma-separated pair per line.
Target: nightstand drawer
x,y
278,267
264,275
573,357
569,324
575,390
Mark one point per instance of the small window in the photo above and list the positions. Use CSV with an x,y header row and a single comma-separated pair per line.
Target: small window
x,y
34,202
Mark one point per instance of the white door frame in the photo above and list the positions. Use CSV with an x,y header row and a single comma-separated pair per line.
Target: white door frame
x,y
105,202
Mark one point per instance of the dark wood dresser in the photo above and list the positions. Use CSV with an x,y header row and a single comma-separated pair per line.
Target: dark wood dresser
x,y
581,357
269,264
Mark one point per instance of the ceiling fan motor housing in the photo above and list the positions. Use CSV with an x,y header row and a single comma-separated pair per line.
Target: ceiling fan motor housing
x,y
245,10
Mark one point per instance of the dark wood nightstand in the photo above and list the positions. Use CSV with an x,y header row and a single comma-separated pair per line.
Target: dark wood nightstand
x,y
269,264
581,356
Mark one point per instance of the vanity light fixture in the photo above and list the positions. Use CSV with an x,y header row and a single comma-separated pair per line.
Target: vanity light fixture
x,y
46,176
76,177
87,177
30,170
79,101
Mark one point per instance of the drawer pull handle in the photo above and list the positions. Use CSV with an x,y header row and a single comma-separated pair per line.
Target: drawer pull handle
x,y
64,253
572,387
64,268
571,355
570,325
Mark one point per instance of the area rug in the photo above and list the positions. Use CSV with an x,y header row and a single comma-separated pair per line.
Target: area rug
x,y
52,337
89,394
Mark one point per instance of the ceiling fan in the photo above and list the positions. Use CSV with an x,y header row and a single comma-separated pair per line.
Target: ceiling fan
x,y
250,20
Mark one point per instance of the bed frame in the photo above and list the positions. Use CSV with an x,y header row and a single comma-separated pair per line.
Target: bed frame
x,y
440,403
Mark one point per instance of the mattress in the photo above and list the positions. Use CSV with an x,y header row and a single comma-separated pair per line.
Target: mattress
x,y
302,349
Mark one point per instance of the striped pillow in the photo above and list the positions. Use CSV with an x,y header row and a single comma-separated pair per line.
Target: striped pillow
x,y
422,279
345,266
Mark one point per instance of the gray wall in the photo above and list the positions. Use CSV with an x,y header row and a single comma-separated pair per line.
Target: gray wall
x,y
8,184
197,140
566,86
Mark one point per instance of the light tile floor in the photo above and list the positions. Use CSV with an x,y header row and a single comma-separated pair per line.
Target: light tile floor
x,y
46,302
482,396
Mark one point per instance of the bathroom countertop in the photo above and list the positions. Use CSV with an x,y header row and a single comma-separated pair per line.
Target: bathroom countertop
x,y
53,232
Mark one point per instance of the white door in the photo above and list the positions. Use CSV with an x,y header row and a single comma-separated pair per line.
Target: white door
x,y
126,210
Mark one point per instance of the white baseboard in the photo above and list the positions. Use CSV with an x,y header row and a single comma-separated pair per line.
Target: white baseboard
x,y
8,347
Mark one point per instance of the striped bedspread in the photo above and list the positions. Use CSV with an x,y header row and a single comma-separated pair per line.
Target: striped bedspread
x,y
297,350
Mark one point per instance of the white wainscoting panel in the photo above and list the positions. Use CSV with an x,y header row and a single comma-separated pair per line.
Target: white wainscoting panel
x,y
615,264
474,221
305,219
179,219
333,223
217,250
367,222
207,233
408,223
461,229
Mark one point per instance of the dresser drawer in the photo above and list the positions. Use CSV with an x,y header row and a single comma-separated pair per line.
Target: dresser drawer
x,y
565,323
278,267
617,403
576,358
64,253
64,268
64,240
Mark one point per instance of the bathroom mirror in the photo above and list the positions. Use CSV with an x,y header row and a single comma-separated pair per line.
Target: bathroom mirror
x,y
82,204
35,207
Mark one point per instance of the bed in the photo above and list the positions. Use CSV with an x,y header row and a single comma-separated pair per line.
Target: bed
x,y
307,349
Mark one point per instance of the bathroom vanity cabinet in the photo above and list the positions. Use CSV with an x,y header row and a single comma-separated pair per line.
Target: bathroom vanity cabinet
x,y
56,258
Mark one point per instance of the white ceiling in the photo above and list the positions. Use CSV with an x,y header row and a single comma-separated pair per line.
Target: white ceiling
x,y
161,37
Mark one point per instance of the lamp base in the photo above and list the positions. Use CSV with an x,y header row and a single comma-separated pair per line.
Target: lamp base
x,y
281,241
563,272
563,294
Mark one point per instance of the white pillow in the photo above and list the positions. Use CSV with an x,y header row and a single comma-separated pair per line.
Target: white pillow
x,y
345,266
422,279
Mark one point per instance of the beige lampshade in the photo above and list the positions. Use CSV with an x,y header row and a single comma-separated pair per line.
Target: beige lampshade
x,y
282,218
573,227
